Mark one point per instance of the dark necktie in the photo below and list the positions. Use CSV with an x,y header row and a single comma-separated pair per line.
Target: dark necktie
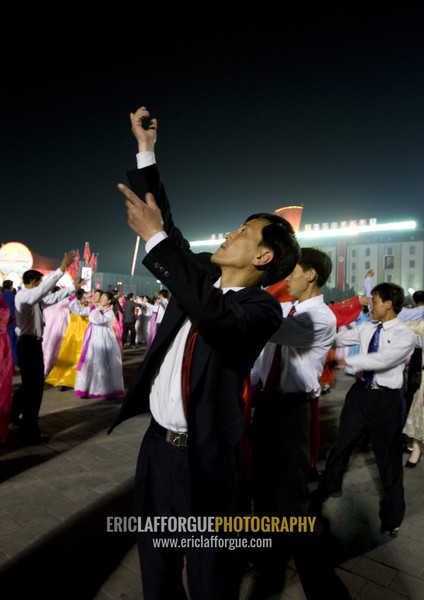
x,y
373,347
185,368
271,380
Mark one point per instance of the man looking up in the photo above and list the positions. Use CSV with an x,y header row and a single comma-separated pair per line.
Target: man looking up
x,y
189,462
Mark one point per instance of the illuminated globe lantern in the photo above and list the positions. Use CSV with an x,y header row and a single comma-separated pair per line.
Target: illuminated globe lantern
x,y
15,259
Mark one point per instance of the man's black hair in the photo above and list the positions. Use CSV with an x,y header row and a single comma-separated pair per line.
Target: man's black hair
x,y
313,258
278,236
31,275
390,291
418,297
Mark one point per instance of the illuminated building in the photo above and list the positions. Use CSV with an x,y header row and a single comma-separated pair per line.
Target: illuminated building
x,y
395,251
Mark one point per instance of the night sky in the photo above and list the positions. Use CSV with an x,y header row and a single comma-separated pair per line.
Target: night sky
x,y
320,109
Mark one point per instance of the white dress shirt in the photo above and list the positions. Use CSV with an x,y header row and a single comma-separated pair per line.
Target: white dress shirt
x,y
161,307
166,400
306,339
397,342
29,304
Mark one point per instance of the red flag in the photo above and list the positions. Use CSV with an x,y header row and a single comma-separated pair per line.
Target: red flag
x,y
76,263
87,253
92,262
279,291
72,272
95,262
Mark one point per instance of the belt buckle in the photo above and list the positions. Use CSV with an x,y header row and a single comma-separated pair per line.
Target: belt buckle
x,y
373,386
176,439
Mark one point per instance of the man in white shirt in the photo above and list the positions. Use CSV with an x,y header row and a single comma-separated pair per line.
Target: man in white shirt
x,y
281,430
162,303
415,313
29,304
369,282
374,404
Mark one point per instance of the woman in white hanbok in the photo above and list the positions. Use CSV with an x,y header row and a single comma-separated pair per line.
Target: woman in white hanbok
x,y
99,371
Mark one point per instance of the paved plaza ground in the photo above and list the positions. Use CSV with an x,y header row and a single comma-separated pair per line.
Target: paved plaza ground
x,y
55,498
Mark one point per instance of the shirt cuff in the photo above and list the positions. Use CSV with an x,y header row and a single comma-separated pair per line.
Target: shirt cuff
x,y
145,159
154,240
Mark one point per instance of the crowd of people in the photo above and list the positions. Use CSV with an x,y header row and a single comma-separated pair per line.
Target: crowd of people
x,y
237,349
65,337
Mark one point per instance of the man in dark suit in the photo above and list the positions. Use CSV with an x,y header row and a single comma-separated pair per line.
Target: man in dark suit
x,y
190,459
129,319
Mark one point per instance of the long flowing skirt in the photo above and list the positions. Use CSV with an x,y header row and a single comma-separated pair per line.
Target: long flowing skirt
x,y
65,369
6,379
99,372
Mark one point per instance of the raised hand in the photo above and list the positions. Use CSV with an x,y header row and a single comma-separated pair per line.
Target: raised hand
x,y
146,138
144,216
67,260
78,282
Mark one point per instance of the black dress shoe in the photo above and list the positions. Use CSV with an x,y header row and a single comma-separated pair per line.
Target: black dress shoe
x,y
412,465
265,586
31,440
394,531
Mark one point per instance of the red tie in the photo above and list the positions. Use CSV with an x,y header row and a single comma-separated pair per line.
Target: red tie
x,y
274,371
186,366
292,311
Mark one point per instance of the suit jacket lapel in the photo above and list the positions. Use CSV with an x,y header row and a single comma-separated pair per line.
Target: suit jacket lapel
x,y
199,361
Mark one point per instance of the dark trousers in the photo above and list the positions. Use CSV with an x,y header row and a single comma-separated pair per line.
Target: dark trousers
x,y
129,327
281,454
281,465
28,397
163,487
379,414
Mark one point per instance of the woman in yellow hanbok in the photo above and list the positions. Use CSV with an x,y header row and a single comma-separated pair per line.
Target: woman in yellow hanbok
x,y
64,372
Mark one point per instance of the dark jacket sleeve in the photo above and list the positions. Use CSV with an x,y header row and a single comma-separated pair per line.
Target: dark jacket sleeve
x,y
148,180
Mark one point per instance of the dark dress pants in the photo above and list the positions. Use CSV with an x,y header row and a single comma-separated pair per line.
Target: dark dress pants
x,y
281,466
163,487
28,397
379,413
129,328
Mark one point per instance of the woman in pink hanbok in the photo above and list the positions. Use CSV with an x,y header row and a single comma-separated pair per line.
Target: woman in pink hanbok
x,y
99,371
56,319
6,370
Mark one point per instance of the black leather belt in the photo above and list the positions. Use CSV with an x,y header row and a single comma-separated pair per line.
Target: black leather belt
x,y
175,438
